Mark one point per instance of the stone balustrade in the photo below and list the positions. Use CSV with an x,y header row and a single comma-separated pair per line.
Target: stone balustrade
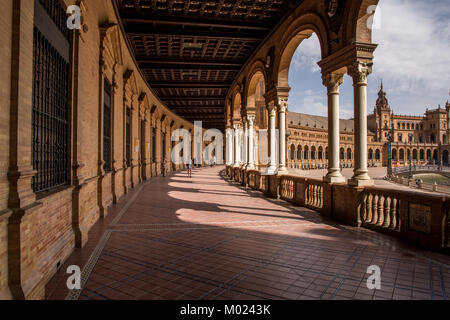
x,y
420,218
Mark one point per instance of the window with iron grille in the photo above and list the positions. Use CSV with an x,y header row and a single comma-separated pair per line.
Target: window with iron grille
x,y
128,137
50,104
153,146
107,127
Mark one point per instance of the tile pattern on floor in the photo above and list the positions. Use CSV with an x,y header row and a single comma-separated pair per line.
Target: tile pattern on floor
x,y
208,238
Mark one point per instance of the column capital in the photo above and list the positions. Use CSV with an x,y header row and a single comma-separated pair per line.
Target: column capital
x,y
282,105
272,108
251,119
359,71
333,81
236,126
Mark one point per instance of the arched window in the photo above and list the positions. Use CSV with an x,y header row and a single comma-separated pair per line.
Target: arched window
x,y
342,154
299,152
370,154
349,154
415,154
313,153
306,153
394,154
292,155
428,154
378,154
326,153
320,153
402,155
422,154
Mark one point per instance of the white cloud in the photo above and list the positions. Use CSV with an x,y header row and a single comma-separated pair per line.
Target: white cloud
x,y
307,55
412,59
413,53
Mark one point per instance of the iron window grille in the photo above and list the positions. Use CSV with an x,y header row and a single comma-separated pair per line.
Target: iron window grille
x,y
107,127
50,104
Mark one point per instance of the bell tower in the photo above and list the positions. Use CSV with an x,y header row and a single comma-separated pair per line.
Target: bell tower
x,y
383,115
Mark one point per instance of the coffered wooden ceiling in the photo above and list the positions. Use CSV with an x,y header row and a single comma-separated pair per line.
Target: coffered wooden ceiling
x,y
191,51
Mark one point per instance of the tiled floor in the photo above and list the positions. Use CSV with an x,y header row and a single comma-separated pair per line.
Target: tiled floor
x,y
208,238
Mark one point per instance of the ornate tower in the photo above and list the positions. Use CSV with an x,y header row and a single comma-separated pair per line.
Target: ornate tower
x,y
383,115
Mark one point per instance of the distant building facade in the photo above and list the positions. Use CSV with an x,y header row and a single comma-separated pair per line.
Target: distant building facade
x,y
412,139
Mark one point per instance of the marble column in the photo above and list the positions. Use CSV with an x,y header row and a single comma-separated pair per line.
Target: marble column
x,y
332,82
229,141
282,108
359,72
251,160
245,145
236,145
273,161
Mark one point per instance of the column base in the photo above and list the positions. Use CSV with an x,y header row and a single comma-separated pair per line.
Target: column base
x,y
271,170
354,182
283,170
337,179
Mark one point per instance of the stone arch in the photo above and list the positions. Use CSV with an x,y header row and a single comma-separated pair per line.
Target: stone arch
x,y
313,152
377,154
415,155
370,154
256,88
422,154
237,104
292,152
299,152
359,14
402,155
301,29
306,153
428,155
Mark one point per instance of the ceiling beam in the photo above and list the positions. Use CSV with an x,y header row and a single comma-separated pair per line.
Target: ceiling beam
x,y
192,98
190,85
198,22
187,66
199,61
197,33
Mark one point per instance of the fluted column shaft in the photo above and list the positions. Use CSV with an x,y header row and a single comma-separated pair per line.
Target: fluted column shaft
x,y
359,72
245,145
332,82
273,161
282,108
236,145
251,159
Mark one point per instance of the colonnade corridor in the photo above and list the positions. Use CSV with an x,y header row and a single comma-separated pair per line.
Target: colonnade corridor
x,y
206,237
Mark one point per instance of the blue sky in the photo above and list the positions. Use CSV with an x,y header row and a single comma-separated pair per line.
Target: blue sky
x,y
412,59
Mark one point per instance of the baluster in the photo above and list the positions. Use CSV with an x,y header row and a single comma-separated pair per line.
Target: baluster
x,y
387,212
374,209
393,223
369,208
363,212
321,197
380,210
397,216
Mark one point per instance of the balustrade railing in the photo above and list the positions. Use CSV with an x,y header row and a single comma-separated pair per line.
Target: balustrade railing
x,y
419,217
380,209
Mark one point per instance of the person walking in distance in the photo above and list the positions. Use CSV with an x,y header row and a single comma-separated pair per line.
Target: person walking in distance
x,y
189,168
